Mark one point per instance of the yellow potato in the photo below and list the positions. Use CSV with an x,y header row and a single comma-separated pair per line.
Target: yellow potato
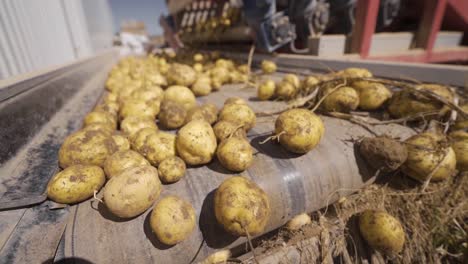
x,y
159,146
461,123
371,95
111,97
122,160
298,222
156,78
218,257
268,66
132,192
207,112
132,124
102,127
172,115
382,231
75,184
299,130
137,141
241,207
244,68
310,83
172,220
202,86
235,100
101,117
121,141
285,90
216,83
109,107
224,129
87,148
425,151
355,73
196,142
459,140
198,67
148,93
221,74
239,114
181,95
171,169
235,154
266,90
132,107
198,57
292,79
181,74
343,99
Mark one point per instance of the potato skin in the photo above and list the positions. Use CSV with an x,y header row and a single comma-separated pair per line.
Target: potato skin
x,y
299,130
459,142
207,112
235,100
132,107
102,118
235,154
133,124
181,95
172,220
171,169
223,129
122,160
159,146
121,142
239,114
181,74
75,184
172,115
382,231
241,205
292,79
266,90
202,86
268,66
343,99
371,95
422,159
86,147
196,142
285,90
133,191
137,141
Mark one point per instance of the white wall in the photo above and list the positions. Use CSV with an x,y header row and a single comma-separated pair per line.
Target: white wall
x,y
36,34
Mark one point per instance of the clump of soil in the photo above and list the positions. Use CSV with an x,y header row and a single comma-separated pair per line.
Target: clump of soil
x,y
383,153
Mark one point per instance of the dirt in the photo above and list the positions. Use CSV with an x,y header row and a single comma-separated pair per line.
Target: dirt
x,y
383,153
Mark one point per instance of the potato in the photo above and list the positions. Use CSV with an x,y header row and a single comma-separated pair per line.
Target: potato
x,y
235,100
172,220
405,102
122,160
156,78
207,112
285,90
241,207
298,222
101,117
371,95
221,74
132,107
110,97
198,57
219,257
102,127
299,130
382,231
355,73
196,142
310,83
266,90
459,142
138,139
292,79
148,93
239,114
75,184
159,146
268,66
132,124
172,115
202,86
461,123
181,95
87,148
224,129
121,141
425,151
181,74
235,154
237,77
244,68
383,153
171,169
132,192
343,99
109,107
198,67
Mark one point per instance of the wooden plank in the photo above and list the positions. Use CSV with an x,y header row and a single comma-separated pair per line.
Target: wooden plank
x,y
364,27
430,24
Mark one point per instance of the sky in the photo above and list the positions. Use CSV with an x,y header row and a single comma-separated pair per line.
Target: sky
x,y
147,11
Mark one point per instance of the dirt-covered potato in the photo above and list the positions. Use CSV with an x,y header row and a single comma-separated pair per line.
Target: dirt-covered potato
x,y
355,73
292,79
132,124
109,107
240,114
343,99
122,160
241,206
235,154
299,130
172,220
132,107
382,231
207,112
425,151
171,169
137,141
202,86
159,146
172,115
181,95
101,117
285,90
371,95
459,142
75,184
86,147
406,102
196,142
133,191
121,141
181,74
268,66
224,129
383,153
266,90
461,123
235,100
